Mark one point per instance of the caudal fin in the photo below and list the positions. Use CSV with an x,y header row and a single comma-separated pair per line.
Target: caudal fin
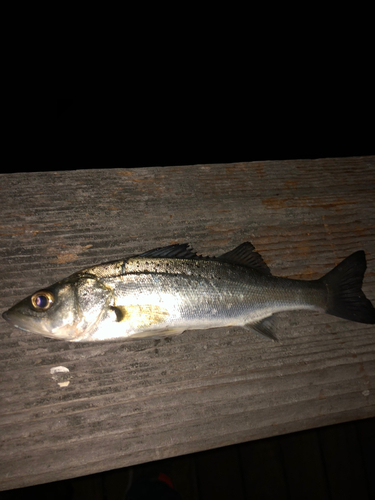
x,y
345,296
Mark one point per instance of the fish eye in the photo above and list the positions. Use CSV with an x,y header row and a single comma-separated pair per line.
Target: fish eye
x,y
43,300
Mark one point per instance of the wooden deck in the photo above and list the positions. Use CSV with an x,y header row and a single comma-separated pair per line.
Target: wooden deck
x,y
126,403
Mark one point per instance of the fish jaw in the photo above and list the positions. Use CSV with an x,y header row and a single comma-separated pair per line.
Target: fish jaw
x,y
39,326
22,322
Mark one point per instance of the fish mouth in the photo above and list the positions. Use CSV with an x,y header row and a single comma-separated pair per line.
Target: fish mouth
x,y
27,324
21,322
8,318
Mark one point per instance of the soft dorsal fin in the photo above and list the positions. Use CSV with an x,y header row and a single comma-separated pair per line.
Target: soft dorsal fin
x,y
177,251
245,256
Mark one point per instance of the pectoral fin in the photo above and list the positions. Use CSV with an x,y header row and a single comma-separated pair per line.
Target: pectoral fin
x,y
140,316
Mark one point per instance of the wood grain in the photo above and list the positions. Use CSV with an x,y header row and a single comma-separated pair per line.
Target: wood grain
x,y
141,400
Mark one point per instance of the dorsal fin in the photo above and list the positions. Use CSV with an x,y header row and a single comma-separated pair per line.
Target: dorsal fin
x,y
177,251
245,256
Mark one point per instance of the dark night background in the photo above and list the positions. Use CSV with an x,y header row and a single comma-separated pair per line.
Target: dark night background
x,y
161,130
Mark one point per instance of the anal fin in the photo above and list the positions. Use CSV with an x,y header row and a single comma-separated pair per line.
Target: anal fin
x,y
263,328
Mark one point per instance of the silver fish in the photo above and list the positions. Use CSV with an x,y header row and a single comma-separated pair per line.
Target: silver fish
x,y
168,290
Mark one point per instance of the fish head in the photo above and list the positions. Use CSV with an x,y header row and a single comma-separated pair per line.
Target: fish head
x,y
67,310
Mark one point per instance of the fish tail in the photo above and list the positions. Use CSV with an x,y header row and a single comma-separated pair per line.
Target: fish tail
x,y
345,296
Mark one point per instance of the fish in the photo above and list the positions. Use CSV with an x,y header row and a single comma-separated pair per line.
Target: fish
x,y
168,290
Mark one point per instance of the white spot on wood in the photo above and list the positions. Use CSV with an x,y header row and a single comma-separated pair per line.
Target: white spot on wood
x,y
59,369
366,392
57,374
64,384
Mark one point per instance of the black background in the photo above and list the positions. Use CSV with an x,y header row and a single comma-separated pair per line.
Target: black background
x,y
160,131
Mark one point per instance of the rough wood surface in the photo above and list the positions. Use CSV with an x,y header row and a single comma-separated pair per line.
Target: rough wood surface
x,y
136,401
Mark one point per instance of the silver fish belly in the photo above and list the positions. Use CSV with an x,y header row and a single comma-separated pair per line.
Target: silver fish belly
x,y
169,290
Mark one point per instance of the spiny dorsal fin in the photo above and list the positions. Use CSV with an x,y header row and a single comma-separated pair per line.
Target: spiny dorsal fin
x,y
177,251
245,256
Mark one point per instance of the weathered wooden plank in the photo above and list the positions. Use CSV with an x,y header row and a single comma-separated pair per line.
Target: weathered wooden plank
x,y
131,402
